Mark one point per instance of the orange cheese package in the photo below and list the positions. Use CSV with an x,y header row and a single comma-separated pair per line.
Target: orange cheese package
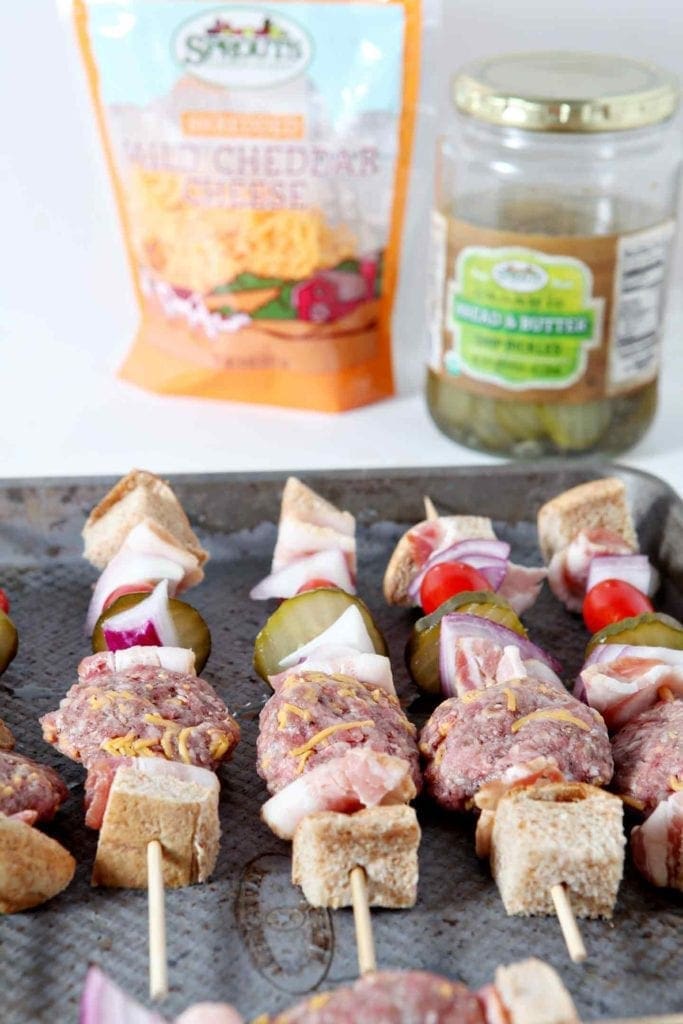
x,y
260,154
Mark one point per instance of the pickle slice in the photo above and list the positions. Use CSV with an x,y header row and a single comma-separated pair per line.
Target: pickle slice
x,y
422,650
9,641
300,619
651,629
190,627
576,427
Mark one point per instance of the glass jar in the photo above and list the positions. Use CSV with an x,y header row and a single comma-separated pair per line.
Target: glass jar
x,y
552,237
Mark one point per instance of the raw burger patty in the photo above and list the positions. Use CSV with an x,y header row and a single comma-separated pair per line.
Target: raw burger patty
x,y
470,741
390,997
648,754
310,703
32,790
143,711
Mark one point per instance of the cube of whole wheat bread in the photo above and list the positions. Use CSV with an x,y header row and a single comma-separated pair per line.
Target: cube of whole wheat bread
x,y
137,497
533,993
561,833
176,804
381,840
599,504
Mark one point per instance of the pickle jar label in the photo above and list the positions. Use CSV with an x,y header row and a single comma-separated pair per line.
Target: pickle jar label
x,y
521,318
527,317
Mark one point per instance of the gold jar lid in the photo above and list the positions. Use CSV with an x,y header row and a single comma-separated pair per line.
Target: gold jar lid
x,y
566,92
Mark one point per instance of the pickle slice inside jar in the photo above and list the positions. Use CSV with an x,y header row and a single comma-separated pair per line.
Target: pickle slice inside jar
x,y
300,619
651,629
576,427
190,627
422,649
9,641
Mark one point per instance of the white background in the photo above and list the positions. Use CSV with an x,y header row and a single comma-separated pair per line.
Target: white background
x,y
66,306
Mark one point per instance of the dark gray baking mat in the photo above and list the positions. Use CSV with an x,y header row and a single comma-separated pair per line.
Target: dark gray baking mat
x,y
248,937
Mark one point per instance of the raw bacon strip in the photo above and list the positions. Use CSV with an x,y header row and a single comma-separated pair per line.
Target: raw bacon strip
x,y
360,778
370,669
521,586
623,688
657,845
173,659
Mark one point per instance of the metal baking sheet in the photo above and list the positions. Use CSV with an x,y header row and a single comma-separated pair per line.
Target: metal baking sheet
x,y
248,936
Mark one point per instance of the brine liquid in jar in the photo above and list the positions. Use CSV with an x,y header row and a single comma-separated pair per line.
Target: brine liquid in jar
x,y
549,256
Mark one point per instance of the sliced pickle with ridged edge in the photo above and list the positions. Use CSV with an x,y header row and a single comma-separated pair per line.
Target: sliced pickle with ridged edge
x,y
190,627
9,641
651,629
300,619
422,650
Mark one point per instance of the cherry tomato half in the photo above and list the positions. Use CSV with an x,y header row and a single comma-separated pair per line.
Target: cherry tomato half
x,y
447,579
4,602
315,584
611,601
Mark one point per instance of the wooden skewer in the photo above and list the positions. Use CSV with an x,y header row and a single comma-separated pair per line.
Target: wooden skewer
x,y
570,929
158,968
361,916
430,508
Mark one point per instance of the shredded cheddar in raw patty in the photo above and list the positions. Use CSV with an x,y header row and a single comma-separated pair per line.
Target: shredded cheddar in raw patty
x,y
556,715
366,723
665,693
291,709
183,750
631,801
318,1001
675,783
471,695
511,699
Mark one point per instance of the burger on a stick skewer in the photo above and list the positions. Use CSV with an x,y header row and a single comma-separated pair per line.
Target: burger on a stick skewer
x,y
509,740
335,749
149,731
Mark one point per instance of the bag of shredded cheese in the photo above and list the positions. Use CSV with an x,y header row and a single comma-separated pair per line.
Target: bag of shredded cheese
x,y
260,154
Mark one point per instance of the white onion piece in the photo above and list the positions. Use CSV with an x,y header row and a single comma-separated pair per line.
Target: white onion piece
x,y
128,568
149,539
349,630
328,565
103,1002
152,615
487,556
633,569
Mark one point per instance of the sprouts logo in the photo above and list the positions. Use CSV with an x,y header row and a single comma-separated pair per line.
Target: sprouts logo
x,y
519,276
242,47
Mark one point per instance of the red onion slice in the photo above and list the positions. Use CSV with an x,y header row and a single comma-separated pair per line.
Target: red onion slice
x,y
103,1002
633,569
489,557
457,626
146,624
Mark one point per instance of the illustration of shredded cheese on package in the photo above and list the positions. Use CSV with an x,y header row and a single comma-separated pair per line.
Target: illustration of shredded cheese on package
x,y
260,154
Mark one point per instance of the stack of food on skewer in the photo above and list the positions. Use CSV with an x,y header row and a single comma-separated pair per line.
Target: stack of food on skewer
x,y
149,731
509,741
34,867
633,674
335,747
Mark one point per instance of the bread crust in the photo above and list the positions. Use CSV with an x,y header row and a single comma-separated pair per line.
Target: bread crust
x,y
181,815
599,504
33,866
382,840
567,833
137,496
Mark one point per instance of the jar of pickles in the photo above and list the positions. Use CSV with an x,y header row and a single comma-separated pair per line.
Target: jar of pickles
x,y
552,237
